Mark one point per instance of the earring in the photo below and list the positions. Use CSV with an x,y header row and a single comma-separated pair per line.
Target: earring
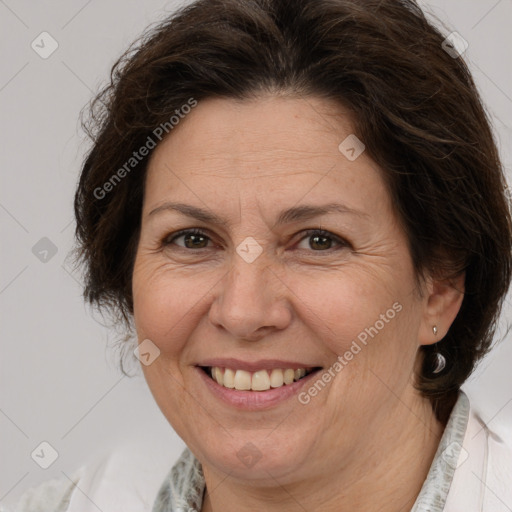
x,y
440,363
440,360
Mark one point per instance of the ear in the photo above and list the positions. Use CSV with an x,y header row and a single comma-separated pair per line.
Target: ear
x,y
442,302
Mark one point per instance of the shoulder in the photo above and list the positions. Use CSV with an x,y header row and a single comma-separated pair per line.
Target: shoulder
x,y
496,474
483,468
52,495
126,478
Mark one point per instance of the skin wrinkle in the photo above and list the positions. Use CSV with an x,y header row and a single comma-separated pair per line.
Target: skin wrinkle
x,y
367,440
261,163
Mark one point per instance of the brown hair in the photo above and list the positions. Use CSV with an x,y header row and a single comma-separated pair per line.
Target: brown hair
x,y
414,106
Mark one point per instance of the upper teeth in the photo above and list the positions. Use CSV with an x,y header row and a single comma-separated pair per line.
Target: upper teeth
x,y
262,380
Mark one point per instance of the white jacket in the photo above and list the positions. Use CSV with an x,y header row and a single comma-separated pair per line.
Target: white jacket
x,y
471,472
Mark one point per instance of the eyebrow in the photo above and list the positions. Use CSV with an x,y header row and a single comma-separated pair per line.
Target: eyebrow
x,y
294,214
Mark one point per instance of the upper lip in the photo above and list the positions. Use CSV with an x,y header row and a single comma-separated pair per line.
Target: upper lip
x,y
253,366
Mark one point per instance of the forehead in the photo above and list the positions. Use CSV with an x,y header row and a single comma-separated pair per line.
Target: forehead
x,y
268,125
262,151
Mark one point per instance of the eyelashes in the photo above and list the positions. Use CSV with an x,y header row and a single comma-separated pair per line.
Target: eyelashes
x,y
197,233
200,239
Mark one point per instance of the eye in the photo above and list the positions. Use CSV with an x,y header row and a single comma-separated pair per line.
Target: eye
x,y
321,240
193,239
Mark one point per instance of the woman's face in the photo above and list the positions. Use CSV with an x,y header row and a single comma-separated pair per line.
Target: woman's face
x,y
258,289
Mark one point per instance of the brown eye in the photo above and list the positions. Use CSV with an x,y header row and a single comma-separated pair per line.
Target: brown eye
x,y
320,240
192,239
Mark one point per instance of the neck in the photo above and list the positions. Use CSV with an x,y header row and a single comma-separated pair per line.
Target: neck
x,y
385,475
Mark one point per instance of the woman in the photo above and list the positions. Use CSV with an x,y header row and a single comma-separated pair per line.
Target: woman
x,y
299,209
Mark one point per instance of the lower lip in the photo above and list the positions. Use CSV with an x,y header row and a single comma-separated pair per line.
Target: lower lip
x,y
254,400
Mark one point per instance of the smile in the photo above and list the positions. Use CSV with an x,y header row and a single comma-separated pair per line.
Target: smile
x,y
260,380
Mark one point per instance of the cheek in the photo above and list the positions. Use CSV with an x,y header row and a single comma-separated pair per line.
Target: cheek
x,y
369,325
160,304
349,305
169,303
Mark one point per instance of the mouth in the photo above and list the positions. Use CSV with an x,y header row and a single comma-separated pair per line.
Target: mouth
x,y
260,380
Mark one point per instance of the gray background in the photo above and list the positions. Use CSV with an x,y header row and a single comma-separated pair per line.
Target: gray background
x,y
59,381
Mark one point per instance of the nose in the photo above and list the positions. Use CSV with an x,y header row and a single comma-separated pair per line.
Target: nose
x,y
251,301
